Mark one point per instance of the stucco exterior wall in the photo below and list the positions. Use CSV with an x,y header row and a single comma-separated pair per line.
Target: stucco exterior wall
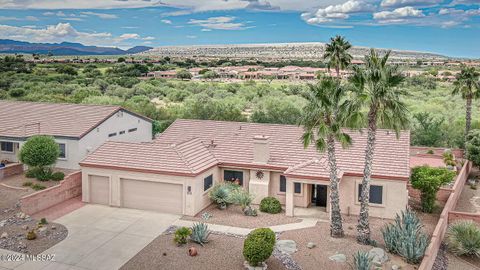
x,y
76,150
299,200
395,197
115,185
201,199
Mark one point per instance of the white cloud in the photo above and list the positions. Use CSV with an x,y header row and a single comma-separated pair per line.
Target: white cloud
x,y
402,3
220,23
27,18
464,2
206,30
191,37
398,15
63,32
148,38
166,21
340,11
100,15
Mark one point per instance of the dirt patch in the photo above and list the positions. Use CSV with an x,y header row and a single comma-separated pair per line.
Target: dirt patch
x,y
221,252
233,216
462,263
318,257
14,225
19,179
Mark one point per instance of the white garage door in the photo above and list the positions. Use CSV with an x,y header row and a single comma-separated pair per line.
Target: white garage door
x,y
154,196
99,189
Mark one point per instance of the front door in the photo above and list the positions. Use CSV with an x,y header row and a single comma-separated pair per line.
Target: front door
x,y
319,195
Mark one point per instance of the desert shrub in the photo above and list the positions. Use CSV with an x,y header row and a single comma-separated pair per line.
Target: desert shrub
x,y
39,151
221,194
27,184
181,235
429,180
43,221
258,246
472,146
430,152
270,205
31,235
200,233
241,197
57,176
406,237
33,172
448,158
38,187
44,174
362,261
250,211
463,238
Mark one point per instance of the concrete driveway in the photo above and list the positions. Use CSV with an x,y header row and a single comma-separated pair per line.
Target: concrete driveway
x,y
100,237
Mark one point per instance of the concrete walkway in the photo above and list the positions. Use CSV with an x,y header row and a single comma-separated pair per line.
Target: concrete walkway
x,y
100,237
305,223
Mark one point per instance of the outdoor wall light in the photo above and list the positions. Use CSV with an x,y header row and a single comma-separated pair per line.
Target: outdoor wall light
x,y
189,190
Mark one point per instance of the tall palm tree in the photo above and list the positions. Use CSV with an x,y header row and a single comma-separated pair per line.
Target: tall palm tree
x,y
468,86
375,89
322,123
336,54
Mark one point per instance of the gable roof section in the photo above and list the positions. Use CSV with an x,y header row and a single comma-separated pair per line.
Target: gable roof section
x,y
200,144
24,119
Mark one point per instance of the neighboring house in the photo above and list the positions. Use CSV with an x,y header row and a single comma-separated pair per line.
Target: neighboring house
x,y
175,172
78,129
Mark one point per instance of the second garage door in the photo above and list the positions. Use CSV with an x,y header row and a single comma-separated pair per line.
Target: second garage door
x,y
146,195
99,189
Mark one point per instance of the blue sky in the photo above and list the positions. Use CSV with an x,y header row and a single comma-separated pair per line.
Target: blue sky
x,y
449,27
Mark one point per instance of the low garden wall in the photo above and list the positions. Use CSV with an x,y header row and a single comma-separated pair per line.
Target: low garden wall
x,y
68,188
11,169
442,225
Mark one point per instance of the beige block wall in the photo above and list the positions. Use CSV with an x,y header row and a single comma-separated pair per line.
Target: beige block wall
x,y
395,197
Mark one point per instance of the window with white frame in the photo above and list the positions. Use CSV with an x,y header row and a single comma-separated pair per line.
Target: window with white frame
x,y
7,147
63,150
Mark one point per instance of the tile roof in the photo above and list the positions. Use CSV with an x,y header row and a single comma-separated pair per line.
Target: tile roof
x,y
186,158
24,119
231,143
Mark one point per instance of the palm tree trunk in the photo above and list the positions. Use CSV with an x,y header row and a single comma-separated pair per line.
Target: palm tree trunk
x,y
363,227
336,228
337,70
468,115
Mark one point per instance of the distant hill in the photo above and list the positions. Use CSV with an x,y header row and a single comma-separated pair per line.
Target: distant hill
x,y
64,48
278,51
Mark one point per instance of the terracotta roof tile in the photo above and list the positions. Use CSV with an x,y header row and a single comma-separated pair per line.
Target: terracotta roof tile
x,y
24,119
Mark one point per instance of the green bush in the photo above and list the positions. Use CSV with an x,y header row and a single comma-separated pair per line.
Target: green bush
x,y
270,205
472,146
33,172
58,176
44,174
221,194
429,180
463,238
241,197
258,246
200,233
181,235
362,261
406,237
31,235
27,184
39,151
43,221
38,187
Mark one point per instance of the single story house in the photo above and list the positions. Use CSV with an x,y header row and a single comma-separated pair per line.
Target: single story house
x,y
78,129
175,172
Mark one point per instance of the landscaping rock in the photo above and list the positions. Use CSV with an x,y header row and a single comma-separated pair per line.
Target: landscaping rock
x,y
4,235
286,246
249,267
42,229
25,227
341,258
53,227
378,255
311,245
3,223
395,267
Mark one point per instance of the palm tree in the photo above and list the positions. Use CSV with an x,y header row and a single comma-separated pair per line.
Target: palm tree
x,y
322,123
336,54
468,86
375,89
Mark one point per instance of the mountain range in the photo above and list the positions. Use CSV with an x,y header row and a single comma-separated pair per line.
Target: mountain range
x,y
64,48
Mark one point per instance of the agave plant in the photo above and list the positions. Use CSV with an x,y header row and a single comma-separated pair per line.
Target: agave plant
x,y
200,233
405,237
242,198
463,238
220,194
362,261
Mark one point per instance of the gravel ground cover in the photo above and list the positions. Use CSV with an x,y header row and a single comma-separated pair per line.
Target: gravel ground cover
x,y
233,216
221,252
462,263
19,179
14,226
